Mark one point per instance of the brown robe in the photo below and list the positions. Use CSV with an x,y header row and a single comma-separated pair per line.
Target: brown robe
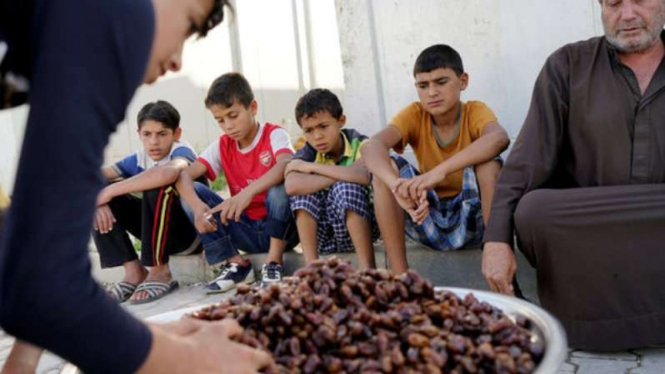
x,y
584,190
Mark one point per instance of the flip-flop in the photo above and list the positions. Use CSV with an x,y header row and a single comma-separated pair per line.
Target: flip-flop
x,y
122,291
156,290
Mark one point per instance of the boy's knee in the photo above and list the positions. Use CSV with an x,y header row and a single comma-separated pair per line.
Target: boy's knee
x,y
277,196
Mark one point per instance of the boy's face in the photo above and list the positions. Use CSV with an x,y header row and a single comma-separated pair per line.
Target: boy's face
x,y
157,139
176,21
237,121
439,90
322,131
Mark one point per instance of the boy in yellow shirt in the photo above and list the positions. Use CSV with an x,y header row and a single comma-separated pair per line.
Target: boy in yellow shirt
x,y
456,143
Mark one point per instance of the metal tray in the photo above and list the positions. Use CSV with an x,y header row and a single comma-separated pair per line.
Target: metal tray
x,y
545,328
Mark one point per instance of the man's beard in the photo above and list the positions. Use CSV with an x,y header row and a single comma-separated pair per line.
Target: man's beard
x,y
644,41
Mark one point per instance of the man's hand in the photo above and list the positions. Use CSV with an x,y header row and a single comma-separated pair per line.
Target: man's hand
x,y
233,207
299,166
202,347
104,219
499,266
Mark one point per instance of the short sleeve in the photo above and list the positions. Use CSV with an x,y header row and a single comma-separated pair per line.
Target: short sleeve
x,y
280,142
184,152
406,121
479,116
306,153
212,159
127,167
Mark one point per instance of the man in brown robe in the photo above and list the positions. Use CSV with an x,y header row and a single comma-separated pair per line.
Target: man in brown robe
x,y
584,186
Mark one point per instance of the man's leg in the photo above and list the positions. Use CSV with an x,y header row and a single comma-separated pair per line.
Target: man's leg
x,y
487,175
350,213
115,247
599,259
390,218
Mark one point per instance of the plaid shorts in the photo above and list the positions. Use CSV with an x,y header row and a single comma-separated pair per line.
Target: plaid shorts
x,y
329,206
452,223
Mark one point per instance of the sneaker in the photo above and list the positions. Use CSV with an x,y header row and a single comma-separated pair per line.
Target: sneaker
x,y
232,275
271,273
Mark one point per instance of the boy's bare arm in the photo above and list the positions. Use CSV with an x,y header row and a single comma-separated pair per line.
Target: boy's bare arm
x,y
232,208
298,183
377,157
489,145
110,174
153,178
185,187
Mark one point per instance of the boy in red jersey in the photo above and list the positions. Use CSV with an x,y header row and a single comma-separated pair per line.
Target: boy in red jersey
x,y
257,217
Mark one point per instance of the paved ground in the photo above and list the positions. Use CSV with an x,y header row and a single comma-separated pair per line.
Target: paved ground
x,y
639,361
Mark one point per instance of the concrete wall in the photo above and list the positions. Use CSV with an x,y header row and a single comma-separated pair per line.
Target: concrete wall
x,y
283,47
503,45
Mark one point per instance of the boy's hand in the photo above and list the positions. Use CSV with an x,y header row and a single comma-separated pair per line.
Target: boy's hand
x,y
299,166
416,188
204,222
104,219
232,208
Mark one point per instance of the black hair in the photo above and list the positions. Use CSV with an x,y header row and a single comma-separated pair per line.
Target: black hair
x,y
438,56
318,100
228,88
160,111
215,18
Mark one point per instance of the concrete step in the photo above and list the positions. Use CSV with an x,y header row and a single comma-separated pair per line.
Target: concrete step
x,y
452,269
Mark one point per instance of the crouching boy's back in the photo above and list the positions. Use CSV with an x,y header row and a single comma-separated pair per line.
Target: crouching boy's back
x,y
328,183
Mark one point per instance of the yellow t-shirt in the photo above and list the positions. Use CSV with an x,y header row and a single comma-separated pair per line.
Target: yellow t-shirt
x,y
416,126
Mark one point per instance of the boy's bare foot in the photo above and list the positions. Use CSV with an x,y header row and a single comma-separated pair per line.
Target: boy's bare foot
x,y
23,359
160,273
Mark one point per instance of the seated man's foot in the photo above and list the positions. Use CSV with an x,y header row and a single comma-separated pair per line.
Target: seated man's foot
x,y
271,273
158,284
232,275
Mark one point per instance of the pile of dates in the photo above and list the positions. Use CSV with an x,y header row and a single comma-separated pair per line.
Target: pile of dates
x,y
330,318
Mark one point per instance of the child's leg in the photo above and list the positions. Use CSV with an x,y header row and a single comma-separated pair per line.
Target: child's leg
x,y
115,248
390,218
217,246
307,227
280,224
308,211
487,175
23,359
350,213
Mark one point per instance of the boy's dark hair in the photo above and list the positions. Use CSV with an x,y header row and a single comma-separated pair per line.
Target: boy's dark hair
x,y
160,111
318,100
228,88
215,18
438,56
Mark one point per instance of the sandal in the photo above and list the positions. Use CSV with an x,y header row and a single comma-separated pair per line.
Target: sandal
x,y
155,290
122,291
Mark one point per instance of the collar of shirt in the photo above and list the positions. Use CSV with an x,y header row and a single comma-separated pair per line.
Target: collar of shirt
x,y
323,158
657,82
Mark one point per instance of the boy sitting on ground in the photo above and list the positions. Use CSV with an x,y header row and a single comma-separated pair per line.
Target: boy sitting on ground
x,y
328,183
156,217
457,145
252,156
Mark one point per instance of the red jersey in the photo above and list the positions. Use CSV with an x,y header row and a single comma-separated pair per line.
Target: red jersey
x,y
243,166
